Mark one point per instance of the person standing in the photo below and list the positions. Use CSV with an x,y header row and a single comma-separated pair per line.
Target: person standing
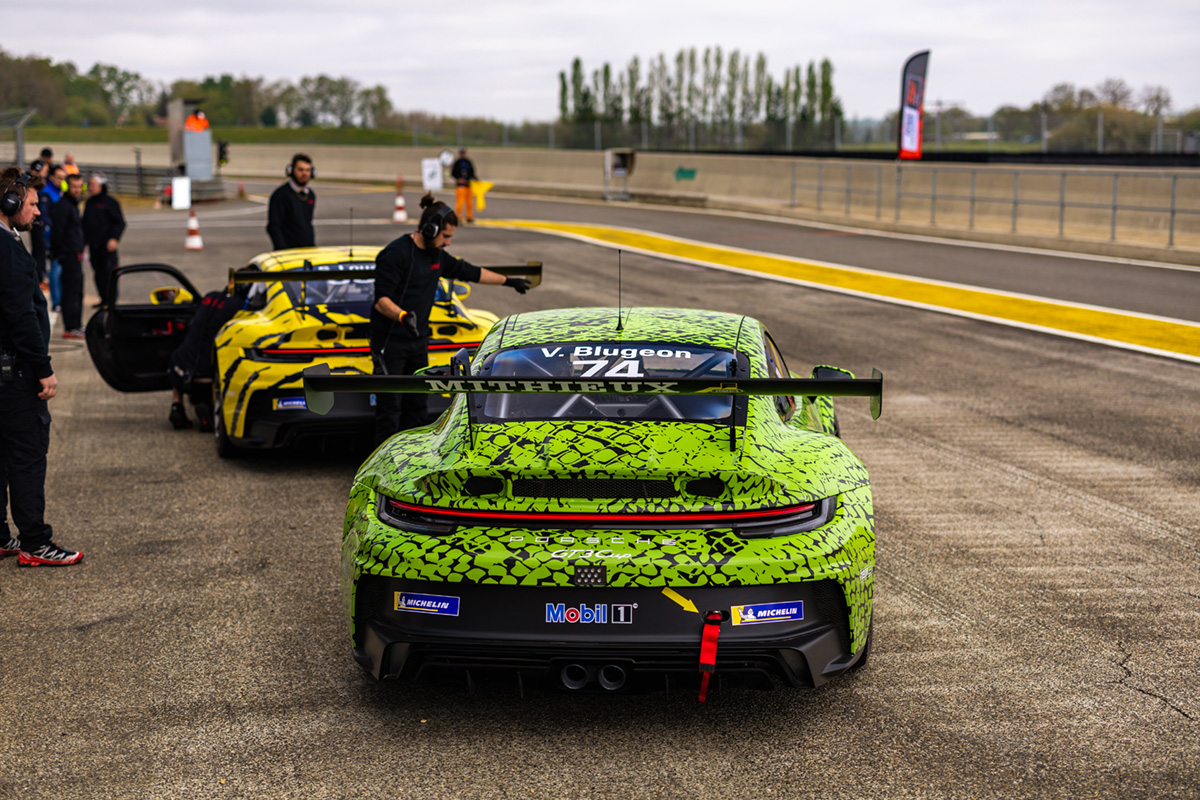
x,y
66,247
103,224
27,382
37,236
290,212
463,173
406,280
47,197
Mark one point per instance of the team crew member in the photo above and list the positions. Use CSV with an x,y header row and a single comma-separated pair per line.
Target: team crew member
x,y
37,235
290,213
463,173
103,224
190,369
26,382
66,247
406,279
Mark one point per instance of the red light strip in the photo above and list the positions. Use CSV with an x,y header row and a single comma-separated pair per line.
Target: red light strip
x,y
575,517
453,346
317,351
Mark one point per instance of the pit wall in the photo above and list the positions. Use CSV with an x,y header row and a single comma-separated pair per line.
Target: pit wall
x,y
1077,200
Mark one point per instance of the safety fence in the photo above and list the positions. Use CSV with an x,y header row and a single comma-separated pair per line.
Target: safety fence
x,y
1137,206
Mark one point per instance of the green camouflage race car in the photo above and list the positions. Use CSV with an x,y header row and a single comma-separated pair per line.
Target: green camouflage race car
x,y
614,499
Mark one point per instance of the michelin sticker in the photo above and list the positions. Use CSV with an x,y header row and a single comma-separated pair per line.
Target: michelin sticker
x,y
767,612
427,603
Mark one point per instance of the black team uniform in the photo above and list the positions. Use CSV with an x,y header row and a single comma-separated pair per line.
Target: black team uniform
x,y
24,418
289,217
408,276
66,246
190,369
102,220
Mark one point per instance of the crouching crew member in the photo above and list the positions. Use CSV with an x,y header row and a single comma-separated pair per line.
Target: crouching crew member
x,y
26,382
191,367
406,280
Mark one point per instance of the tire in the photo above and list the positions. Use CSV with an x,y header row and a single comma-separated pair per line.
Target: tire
x,y
225,447
866,653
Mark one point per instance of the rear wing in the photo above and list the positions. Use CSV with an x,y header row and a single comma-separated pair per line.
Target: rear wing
x,y
531,271
320,385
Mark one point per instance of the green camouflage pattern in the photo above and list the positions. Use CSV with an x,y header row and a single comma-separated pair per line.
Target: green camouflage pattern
x,y
773,463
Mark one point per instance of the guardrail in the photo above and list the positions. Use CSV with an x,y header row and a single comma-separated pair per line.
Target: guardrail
x,y
858,190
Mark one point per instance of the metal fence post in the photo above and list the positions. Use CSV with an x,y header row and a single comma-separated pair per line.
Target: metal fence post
x,y
878,192
1016,191
848,180
898,190
1112,236
933,198
1062,201
971,215
1174,189
820,184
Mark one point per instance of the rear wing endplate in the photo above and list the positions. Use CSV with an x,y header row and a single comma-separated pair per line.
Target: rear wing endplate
x,y
320,385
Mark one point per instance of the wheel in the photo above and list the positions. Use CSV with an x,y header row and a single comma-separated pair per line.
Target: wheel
x,y
225,447
866,653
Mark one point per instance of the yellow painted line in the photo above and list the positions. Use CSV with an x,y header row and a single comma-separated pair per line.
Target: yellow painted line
x,y
1143,332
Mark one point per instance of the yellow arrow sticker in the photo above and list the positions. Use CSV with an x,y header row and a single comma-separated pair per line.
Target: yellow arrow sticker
x,y
686,604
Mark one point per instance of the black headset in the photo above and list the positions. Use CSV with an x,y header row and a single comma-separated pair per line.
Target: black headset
x,y
291,166
14,197
431,227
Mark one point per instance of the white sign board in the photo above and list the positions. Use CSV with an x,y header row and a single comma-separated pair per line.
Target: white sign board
x,y
181,193
431,174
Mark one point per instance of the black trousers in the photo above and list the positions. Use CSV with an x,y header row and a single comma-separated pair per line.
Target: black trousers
x,y
103,263
24,442
72,291
398,412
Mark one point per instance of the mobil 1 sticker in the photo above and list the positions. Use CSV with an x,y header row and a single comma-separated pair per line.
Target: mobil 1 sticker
x,y
767,612
427,603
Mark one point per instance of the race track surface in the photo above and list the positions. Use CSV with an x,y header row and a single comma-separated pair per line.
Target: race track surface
x,y
1037,595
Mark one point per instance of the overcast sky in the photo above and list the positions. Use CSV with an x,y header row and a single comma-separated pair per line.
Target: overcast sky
x,y
501,58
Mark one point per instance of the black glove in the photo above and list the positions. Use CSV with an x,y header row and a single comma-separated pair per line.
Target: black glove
x,y
520,284
409,321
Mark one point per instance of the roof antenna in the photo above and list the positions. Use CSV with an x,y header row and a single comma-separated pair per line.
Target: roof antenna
x,y
618,290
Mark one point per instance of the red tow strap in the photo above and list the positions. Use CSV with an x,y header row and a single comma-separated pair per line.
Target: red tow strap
x,y
708,649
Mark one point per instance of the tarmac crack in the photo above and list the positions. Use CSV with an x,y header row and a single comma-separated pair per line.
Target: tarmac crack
x,y
1123,663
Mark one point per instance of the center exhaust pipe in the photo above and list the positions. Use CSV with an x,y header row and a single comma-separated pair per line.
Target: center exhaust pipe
x,y
574,676
612,677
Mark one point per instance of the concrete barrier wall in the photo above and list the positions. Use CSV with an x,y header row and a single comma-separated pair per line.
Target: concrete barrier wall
x,y
814,189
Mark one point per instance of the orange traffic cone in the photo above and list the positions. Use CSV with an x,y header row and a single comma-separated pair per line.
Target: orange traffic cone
x,y
400,214
193,241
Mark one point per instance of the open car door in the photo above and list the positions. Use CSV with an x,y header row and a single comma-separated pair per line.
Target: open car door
x,y
131,337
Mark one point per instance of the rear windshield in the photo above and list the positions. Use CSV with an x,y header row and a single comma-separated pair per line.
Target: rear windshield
x,y
647,360
348,296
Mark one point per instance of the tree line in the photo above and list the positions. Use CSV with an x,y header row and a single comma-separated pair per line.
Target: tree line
x,y
708,88
109,95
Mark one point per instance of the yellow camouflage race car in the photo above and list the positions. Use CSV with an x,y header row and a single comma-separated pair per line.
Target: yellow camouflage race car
x,y
306,306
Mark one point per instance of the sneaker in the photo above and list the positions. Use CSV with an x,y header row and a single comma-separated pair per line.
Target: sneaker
x,y
179,417
204,416
9,548
49,555
76,333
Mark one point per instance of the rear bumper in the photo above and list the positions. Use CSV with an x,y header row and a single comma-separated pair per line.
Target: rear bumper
x,y
352,419
542,631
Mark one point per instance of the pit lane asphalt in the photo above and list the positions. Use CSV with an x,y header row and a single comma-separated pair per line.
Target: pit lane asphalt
x,y
1036,592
